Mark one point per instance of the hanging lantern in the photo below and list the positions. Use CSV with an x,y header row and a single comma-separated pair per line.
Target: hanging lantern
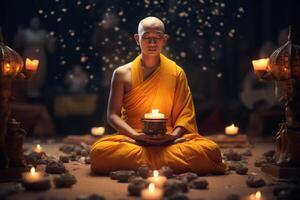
x,y
11,63
285,61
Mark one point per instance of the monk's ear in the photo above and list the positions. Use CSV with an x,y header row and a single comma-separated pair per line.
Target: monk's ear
x,y
137,39
166,36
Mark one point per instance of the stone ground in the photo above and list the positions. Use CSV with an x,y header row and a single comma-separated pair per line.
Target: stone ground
x,y
219,186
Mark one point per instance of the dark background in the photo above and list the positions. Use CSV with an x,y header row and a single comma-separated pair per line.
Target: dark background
x,y
215,64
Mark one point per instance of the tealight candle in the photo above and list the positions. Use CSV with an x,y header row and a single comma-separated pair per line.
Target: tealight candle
x,y
35,180
256,196
155,114
231,130
32,176
151,193
261,64
97,131
158,181
38,149
32,65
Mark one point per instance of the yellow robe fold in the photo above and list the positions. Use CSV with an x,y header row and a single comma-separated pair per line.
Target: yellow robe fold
x,y
167,90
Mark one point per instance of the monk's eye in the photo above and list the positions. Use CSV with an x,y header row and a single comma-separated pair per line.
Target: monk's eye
x,y
149,39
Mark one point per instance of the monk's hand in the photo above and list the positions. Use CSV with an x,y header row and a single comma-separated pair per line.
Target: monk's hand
x,y
142,138
130,140
180,140
162,139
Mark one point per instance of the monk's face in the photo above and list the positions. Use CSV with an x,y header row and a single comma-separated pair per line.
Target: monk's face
x,y
151,38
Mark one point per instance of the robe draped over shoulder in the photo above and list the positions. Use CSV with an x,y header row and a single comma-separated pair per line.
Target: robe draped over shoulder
x,y
165,89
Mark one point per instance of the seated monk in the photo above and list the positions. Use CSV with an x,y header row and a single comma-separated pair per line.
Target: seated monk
x,y
152,81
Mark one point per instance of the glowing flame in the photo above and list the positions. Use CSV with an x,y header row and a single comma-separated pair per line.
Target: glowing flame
x,y
155,111
7,68
155,173
32,170
258,195
38,146
151,187
31,64
260,64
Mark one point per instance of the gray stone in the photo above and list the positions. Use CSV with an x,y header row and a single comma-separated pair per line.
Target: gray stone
x,y
64,159
241,169
199,183
188,176
144,171
54,167
68,148
232,155
166,171
260,162
136,185
255,182
122,176
247,152
233,197
64,180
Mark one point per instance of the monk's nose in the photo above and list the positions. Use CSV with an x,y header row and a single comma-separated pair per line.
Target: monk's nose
x,y
152,40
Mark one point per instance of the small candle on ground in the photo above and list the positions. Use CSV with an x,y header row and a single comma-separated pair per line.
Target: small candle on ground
x,y
231,130
158,180
32,176
152,193
38,149
256,196
97,131
35,181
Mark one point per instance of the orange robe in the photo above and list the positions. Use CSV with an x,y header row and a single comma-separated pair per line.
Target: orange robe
x,y
167,90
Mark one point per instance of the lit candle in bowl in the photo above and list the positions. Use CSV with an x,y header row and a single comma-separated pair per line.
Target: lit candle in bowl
x,y
154,123
32,65
35,181
231,130
158,180
97,131
151,193
261,64
155,114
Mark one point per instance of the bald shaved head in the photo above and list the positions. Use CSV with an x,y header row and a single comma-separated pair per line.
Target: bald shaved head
x,y
151,23
151,36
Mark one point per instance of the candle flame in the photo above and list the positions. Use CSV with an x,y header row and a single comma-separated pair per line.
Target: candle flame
x,y
38,146
231,129
6,67
32,170
263,63
31,64
151,187
35,62
258,195
155,173
97,130
155,111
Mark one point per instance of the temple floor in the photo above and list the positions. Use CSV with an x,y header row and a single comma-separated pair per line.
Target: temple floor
x,y
219,186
